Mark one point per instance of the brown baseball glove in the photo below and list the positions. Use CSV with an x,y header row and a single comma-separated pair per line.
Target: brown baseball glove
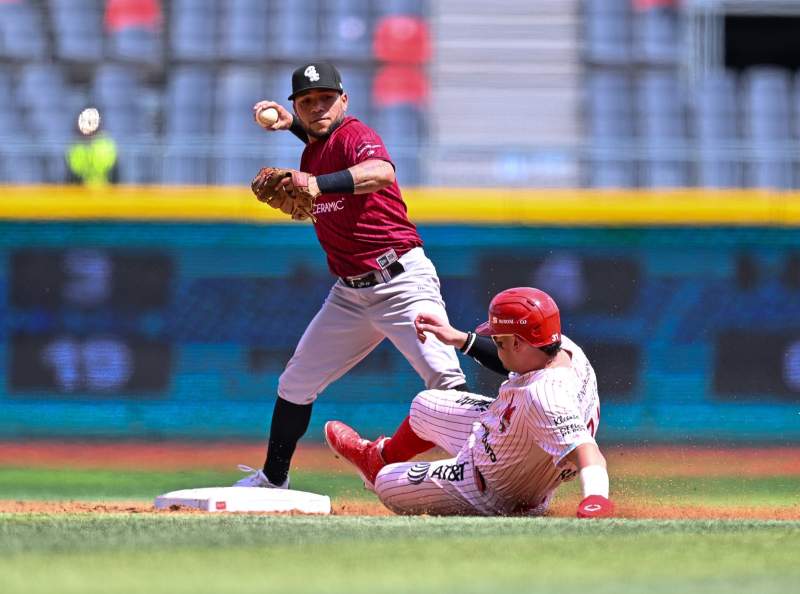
x,y
272,186
297,188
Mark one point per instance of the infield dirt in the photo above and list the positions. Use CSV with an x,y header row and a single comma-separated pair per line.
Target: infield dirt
x,y
655,462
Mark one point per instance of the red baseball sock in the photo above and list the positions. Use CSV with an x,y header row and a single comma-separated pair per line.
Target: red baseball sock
x,y
404,444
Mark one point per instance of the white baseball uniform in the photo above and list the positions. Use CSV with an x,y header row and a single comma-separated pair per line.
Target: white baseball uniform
x,y
508,452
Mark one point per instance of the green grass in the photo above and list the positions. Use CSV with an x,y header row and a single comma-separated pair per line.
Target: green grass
x,y
218,554
26,483
197,554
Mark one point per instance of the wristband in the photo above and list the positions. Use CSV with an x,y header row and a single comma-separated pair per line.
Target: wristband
x,y
339,182
468,343
297,129
594,480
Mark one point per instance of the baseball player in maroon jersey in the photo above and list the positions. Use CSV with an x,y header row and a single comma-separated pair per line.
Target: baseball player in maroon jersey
x,y
509,454
384,277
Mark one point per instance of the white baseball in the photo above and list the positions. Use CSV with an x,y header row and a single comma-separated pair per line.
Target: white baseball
x,y
268,116
89,120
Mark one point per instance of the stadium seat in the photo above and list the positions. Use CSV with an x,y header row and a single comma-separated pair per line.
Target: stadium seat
x,y
714,127
358,85
115,84
39,82
345,29
607,172
401,124
279,81
22,32
238,90
240,163
244,30
610,122
766,111
610,105
662,127
23,169
608,31
403,130
189,102
411,7
292,30
655,37
185,163
126,14
78,30
193,34
137,45
117,90
402,39
188,109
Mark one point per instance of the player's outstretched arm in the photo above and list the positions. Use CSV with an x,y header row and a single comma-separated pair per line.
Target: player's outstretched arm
x,y
371,175
594,481
439,328
479,348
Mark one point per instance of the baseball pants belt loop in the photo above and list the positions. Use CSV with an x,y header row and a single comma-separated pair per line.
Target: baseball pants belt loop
x,y
374,277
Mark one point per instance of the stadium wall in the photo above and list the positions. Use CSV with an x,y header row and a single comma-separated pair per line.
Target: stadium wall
x,y
170,313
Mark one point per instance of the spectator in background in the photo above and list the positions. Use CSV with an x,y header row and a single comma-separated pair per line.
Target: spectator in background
x,y
92,157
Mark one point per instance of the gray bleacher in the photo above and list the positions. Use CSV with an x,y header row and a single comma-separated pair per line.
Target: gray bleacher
x,y
137,45
413,7
661,115
358,84
403,129
611,119
345,29
292,30
188,111
116,89
244,32
238,88
766,114
608,31
77,29
22,32
656,38
193,30
714,127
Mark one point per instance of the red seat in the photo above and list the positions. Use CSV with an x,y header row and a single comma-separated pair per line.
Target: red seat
x,y
396,84
402,39
123,14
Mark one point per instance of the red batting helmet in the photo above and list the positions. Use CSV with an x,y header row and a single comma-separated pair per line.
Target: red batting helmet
x,y
528,313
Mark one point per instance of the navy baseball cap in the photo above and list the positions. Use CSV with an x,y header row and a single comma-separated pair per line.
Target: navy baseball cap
x,y
316,75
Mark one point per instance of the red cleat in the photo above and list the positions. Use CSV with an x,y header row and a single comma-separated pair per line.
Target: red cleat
x,y
365,455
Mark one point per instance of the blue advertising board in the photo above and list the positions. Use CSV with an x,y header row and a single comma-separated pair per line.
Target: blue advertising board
x,y
180,330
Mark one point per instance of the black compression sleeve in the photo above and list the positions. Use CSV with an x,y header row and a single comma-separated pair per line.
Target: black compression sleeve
x,y
297,130
339,182
289,424
484,353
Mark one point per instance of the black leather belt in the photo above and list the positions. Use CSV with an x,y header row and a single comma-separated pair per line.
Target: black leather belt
x,y
375,277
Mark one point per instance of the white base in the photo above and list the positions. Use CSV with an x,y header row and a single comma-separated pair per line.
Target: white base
x,y
246,499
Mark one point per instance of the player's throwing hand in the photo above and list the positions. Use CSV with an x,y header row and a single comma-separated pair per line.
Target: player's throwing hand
x,y
284,121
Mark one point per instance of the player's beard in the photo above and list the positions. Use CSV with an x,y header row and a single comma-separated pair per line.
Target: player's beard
x,y
328,132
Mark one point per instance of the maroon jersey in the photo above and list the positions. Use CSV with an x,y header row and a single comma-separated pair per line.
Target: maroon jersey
x,y
354,229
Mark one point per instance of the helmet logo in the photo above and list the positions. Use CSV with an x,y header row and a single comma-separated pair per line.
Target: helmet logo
x,y
496,320
311,73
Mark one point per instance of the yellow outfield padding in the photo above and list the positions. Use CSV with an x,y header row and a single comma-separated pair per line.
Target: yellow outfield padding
x,y
426,205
